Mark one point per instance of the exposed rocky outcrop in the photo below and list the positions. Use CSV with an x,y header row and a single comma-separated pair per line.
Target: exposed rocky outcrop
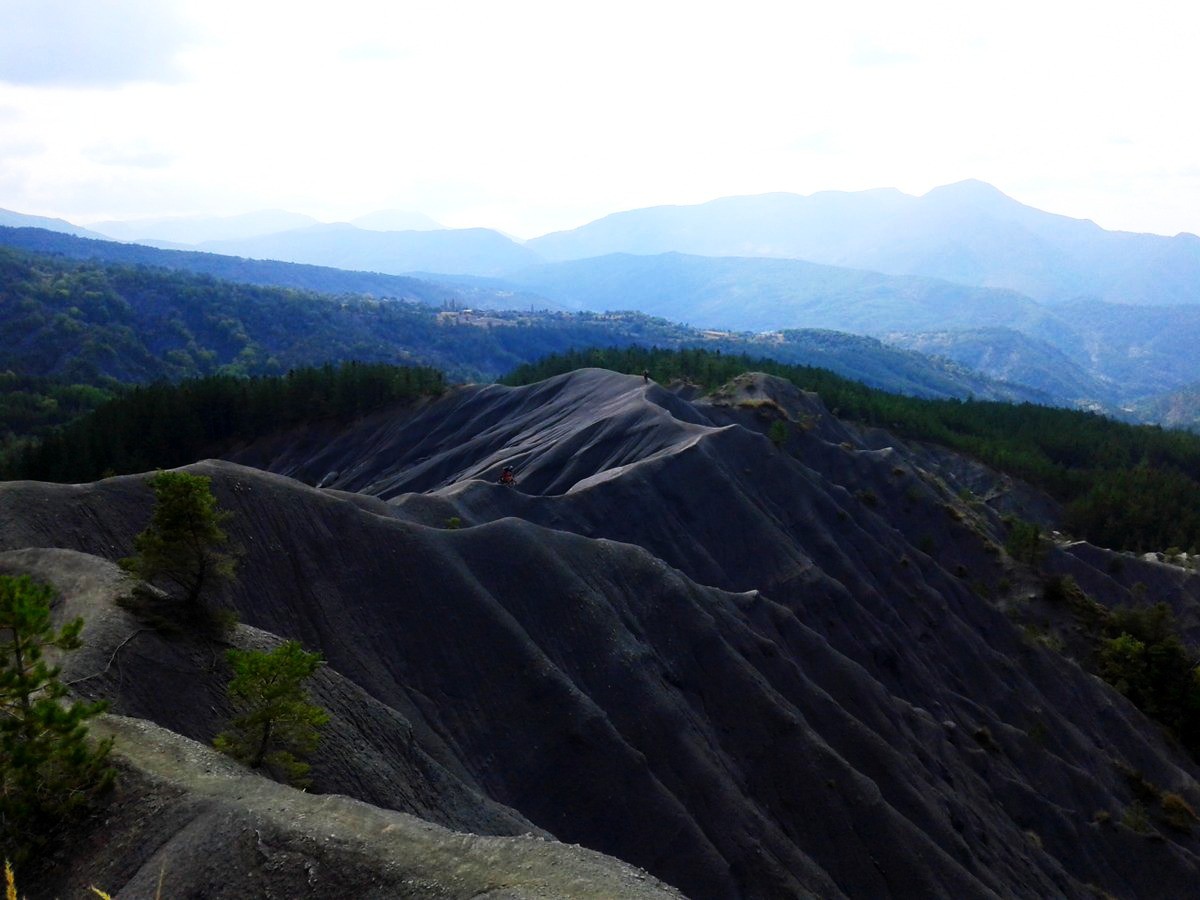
x,y
756,668
190,823
178,678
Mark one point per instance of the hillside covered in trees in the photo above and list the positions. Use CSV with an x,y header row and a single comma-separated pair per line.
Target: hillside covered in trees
x,y
165,425
82,321
72,332
261,272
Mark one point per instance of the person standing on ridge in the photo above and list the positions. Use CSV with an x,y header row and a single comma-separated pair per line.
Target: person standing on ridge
x,y
645,376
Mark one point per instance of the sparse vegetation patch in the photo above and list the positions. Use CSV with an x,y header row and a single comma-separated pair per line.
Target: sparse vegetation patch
x,y
49,771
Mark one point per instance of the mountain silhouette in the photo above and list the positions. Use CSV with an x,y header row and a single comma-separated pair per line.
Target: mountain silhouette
x,y
470,251
969,233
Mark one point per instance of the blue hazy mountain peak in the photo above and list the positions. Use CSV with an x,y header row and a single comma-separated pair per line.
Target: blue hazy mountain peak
x,y
396,220
968,232
12,219
189,230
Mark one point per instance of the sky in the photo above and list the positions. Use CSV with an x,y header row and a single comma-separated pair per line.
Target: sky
x,y
530,117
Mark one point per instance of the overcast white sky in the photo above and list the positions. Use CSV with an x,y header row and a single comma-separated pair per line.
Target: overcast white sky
x,y
530,116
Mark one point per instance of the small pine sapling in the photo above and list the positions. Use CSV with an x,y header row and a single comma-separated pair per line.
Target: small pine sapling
x,y
49,771
278,723
183,543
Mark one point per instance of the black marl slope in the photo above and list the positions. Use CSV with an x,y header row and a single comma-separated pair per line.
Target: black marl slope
x,y
755,671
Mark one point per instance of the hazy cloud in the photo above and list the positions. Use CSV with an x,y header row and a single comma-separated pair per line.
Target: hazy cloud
x,y
137,155
374,51
13,148
81,43
534,115
876,56
817,143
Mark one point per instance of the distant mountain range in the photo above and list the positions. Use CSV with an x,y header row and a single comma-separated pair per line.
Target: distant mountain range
x,y
1127,353
1021,359
470,251
1094,318
1178,409
10,219
191,230
769,294
969,233
396,220
231,268
195,229
1083,352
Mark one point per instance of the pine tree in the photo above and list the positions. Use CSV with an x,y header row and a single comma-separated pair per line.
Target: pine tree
x,y
278,721
48,769
182,543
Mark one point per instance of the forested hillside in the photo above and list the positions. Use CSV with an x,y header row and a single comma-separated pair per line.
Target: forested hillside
x,y
1179,409
94,324
756,293
84,323
264,272
164,425
1082,353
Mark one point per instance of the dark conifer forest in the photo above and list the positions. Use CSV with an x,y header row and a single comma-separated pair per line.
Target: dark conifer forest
x,y
165,425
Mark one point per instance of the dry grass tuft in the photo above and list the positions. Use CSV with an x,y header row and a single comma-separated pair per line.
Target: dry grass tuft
x,y
10,885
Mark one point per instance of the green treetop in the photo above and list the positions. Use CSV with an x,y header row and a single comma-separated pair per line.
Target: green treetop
x,y
278,722
183,542
48,769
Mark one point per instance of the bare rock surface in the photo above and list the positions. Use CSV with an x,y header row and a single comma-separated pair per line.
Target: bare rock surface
x,y
209,828
178,680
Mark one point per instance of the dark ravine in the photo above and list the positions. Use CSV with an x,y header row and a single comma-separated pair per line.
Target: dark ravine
x,y
755,671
